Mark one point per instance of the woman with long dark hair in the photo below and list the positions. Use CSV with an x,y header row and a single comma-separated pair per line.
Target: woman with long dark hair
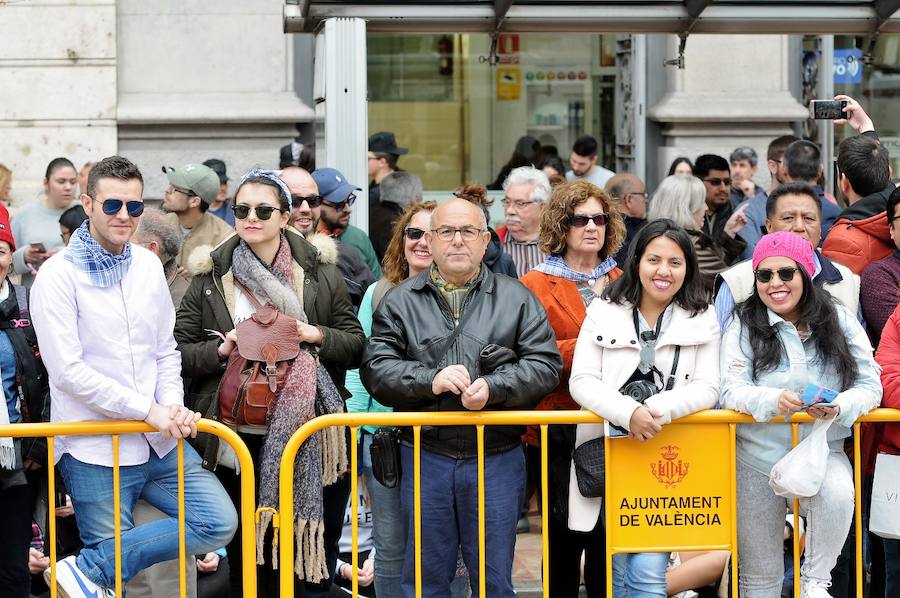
x,y
268,262
789,334
653,329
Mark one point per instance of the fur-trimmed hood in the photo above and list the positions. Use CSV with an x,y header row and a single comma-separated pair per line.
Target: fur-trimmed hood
x,y
200,261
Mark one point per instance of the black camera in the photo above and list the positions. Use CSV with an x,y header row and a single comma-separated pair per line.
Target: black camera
x,y
639,390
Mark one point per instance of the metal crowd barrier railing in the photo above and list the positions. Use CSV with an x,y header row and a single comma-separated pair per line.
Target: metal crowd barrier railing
x,y
669,473
51,430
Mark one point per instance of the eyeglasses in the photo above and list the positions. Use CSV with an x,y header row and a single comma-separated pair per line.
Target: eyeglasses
x,y
111,207
448,233
241,211
173,189
312,200
413,234
643,194
580,221
785,274
351,199
716,181
520,204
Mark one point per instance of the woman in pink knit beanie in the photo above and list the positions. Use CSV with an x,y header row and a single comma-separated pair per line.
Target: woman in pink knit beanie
x,y
787,335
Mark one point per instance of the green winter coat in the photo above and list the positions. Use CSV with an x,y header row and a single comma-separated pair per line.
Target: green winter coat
x,y
208,304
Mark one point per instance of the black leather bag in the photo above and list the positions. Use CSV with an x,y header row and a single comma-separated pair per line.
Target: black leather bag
x,y
385,453
590,468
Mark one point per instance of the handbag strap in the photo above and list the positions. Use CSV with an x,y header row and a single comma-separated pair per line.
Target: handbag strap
x,y
460,324
253,300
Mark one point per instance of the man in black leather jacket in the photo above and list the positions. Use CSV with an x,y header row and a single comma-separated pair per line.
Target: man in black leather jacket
x,y
503,357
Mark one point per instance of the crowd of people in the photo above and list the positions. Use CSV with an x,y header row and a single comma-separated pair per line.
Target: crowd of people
x,y
268,308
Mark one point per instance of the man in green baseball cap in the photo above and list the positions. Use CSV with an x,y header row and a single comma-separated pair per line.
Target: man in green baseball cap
x,y
192,188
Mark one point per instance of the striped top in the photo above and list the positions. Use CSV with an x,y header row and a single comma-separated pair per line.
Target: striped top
x,y
525,255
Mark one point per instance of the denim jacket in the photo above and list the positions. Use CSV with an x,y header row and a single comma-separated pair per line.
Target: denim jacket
x,y
761,446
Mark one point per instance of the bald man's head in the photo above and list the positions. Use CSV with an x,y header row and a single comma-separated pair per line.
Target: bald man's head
x,y
304,198
630,192
458,239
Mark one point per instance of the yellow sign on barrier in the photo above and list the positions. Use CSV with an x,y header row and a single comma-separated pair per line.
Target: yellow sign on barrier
x,y
670,491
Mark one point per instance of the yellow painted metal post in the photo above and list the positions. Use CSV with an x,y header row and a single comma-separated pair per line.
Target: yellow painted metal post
x,y
795,434
417,503
182,558
354,511
857,510
117,515
545,517
482,557
51,519
732,443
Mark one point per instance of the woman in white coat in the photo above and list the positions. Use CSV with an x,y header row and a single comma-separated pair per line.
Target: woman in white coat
x,y
652,327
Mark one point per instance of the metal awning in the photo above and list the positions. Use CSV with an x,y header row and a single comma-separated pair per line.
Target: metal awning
x,y
608,16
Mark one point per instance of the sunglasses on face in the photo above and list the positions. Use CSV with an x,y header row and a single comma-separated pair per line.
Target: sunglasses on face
x,y
785,274
413,234
351,199
241,211
312,200
111,207
579,221
716,181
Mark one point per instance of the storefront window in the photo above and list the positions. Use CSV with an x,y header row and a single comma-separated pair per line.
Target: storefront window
x,y
876,86
465,120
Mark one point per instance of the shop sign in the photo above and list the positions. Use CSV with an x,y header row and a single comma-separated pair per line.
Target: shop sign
x,y
508,82
671,491
848,66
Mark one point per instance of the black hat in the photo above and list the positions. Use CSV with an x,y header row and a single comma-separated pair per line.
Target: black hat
x,y
218,167
384,142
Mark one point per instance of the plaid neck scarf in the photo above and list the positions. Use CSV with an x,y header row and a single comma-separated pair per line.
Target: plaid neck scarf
x,y
555,265
454,295
103,268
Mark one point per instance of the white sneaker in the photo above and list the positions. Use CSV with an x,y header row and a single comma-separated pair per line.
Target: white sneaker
x,y
72,583
814,589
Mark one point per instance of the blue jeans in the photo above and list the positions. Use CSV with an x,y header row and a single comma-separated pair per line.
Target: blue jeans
x,y
891,567
210,519
449,515
387,528
640,575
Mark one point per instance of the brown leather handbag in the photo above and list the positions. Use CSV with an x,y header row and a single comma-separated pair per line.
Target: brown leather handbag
x,y
266,344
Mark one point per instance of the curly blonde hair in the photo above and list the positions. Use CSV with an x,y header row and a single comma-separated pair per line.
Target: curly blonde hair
x,y
394,265
561,206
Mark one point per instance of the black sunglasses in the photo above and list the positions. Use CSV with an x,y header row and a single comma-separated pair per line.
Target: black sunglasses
x,y
351,199
241,211
413,234
716,181
785,274
111,207
579,221
312,200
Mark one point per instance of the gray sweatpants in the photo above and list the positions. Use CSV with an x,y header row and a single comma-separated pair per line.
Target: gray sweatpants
x,y
761,528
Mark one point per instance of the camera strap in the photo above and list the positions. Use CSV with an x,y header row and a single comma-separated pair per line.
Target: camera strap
x,y
650,339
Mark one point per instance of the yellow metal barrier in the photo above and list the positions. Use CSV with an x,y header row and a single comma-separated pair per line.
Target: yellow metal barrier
x,y
115,429
542,419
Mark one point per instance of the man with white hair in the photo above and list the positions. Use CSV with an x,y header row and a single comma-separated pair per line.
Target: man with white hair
x,y
526,190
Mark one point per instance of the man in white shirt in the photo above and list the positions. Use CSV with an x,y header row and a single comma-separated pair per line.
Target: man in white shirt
x,y
104,322
584,163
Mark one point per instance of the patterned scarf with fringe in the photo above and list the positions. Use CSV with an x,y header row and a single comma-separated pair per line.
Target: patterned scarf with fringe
x,y
307,391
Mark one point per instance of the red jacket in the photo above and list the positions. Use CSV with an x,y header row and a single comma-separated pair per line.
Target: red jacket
x,y
861,234
888,357
565,312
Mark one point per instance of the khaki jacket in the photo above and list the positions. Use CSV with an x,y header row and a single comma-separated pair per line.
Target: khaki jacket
x,y
209,231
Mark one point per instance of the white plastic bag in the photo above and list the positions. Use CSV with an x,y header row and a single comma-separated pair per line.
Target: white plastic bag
x,y
799,474
884,515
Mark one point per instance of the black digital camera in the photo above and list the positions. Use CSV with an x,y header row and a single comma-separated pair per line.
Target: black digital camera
x,y
639,390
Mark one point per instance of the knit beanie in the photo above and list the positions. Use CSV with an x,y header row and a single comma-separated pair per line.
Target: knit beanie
x,y
5,229
785,244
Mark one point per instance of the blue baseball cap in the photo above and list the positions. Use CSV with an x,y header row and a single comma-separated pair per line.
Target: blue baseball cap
x,y
333,186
